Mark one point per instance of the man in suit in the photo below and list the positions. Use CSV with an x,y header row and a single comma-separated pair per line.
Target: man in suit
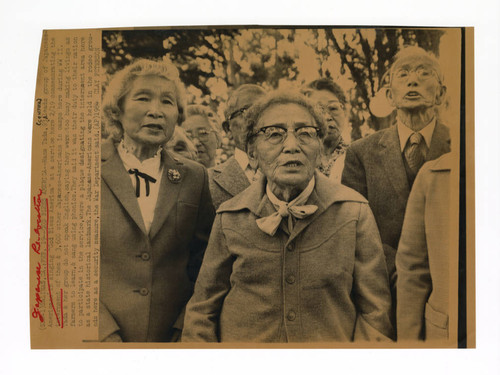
x,y
236,174
383,166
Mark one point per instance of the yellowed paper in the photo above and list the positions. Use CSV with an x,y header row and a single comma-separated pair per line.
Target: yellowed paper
x,y
66,160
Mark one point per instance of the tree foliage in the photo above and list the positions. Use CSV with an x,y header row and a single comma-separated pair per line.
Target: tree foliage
x,y
212,61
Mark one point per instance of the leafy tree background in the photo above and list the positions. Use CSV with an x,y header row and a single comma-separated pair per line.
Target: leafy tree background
x,y
213,61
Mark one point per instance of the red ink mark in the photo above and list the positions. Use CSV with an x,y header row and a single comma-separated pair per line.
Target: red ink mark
x,y
36,309
48,279
36,203
62,314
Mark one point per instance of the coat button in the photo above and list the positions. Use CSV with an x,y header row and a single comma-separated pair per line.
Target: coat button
x,y
290,247
144,291
145,256
291,315
290,279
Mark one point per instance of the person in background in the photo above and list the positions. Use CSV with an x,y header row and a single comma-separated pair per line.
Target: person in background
x,y
422,260
204,132
180,144
294,257
331,97
383,166
236,174
156,211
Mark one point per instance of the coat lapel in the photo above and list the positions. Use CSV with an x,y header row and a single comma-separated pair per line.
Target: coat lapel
x,y
169,192
392,162
115,176
231,177
440,142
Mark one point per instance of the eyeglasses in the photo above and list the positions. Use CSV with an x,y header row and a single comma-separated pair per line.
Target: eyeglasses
x,y
423,74
201,134
276,134
238,112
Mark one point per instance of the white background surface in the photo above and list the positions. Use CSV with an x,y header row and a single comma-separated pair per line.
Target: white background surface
x,y
21,24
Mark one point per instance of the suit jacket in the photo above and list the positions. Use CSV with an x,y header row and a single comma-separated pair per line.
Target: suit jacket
x,y
146,279
325,281
422,259
226,181
375,168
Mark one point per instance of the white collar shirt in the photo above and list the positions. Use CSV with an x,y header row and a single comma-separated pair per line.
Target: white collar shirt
x,y
242,159
405,132
151,167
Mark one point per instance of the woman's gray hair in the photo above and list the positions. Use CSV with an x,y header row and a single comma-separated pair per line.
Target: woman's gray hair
x,y
253,114
120,84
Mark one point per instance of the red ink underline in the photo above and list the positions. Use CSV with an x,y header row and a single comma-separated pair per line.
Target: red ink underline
x,y
48,280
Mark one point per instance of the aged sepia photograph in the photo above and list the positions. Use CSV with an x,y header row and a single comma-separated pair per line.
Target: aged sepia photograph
x,y
284,185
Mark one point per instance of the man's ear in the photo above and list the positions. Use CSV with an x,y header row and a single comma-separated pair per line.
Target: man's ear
x,y
440,95
388,95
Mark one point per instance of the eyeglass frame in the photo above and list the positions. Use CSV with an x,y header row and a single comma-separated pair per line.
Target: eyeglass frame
x,y
416,71
197,136
264,128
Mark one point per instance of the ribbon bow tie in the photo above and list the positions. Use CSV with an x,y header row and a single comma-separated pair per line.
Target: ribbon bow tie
x,y
294,209
147,179
270,224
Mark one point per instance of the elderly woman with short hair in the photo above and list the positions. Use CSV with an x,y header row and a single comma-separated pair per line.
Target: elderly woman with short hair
x,y
294,257
156,210
203,128
330,96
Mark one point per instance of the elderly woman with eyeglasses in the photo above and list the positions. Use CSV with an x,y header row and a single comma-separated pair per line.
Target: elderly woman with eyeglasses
x,y
156,210
294,257
203,128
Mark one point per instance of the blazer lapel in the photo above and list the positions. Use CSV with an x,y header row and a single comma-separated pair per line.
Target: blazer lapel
x,y
231,177
440,142
169,192
392,162
115,176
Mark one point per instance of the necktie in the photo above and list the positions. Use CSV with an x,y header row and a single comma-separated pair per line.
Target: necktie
x,y
415,152
147,178
295,208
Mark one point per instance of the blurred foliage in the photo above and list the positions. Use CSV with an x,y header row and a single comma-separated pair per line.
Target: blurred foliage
x,y
212,61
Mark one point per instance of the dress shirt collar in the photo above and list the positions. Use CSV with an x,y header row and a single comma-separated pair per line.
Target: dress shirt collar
x,y
151,166
405,132
241,157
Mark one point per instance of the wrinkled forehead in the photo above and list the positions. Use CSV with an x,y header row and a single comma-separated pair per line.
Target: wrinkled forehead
x,y
414,61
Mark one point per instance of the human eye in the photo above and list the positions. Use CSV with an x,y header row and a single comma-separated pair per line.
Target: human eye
x,y
274,132
167,100
306,132
402,73
424,72
334,107
203,132
142,98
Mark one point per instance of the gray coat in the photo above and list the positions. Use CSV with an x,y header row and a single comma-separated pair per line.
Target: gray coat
x,y
226,181
146,279
326,281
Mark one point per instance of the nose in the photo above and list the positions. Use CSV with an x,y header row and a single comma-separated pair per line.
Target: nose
x,y
412,79
154,109
291,143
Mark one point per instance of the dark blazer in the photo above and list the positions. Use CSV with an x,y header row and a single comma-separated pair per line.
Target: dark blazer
x,y
423,256
325,281
374,167
146,280
226,181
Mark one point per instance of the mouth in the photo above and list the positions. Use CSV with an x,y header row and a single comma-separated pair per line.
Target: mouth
x,y
292,164
156,127
413,95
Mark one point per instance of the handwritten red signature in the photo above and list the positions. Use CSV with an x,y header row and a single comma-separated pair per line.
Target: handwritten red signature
x,y
37,201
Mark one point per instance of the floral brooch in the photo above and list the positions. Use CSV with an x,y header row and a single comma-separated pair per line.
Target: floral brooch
x,y
174,175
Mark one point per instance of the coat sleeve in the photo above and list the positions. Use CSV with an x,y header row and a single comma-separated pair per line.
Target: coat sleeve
x,y
204,221
414,280
353,174
201,322
371,291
